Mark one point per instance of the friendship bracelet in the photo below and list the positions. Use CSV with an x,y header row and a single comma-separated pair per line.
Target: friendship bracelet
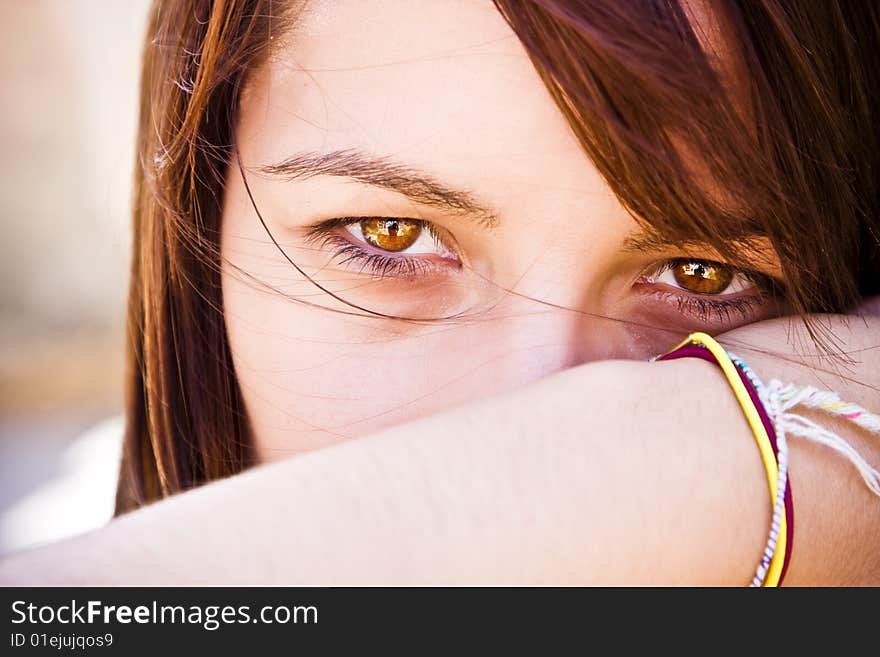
x,y
777,551
790,395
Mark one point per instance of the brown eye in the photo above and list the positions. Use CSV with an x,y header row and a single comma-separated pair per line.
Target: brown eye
x,y
701,276
391,234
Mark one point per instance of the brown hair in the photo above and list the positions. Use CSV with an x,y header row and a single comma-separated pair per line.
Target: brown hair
x,y
799,165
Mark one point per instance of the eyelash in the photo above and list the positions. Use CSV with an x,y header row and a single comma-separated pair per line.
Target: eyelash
x,y
720,310
324,235
703,308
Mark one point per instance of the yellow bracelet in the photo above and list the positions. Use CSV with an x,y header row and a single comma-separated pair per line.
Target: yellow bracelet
x,y
760,434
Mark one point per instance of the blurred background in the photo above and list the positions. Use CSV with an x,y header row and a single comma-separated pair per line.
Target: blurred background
x,y
69,79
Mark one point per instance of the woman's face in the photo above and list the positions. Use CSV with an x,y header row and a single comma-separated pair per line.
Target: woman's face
x,y
408,159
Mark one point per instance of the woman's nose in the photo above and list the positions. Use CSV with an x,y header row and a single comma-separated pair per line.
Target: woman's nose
x,y
523,341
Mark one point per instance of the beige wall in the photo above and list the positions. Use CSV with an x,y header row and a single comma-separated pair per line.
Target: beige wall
x,y
69,75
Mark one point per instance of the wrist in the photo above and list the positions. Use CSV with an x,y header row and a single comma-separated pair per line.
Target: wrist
x,y
677,492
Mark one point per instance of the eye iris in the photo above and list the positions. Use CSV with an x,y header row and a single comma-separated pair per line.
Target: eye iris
x,y
391,234
702,277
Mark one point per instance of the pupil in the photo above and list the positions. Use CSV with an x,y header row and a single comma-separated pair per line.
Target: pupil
x,y
392,227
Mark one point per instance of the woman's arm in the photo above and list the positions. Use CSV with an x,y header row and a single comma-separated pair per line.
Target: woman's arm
x,y
563,481
837,519
612,472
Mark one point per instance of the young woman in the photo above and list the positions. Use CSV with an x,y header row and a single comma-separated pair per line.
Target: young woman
x,y
406,262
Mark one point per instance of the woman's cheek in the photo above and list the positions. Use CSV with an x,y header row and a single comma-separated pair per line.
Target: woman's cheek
x,y
312,377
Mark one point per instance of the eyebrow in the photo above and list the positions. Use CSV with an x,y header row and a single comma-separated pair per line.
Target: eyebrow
x,y
746,233
416,185
642,241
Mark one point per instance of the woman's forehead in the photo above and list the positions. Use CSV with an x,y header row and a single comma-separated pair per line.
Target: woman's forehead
x,y
441,85
439,82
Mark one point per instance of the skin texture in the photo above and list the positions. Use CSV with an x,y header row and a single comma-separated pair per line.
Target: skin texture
x,y
551,285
